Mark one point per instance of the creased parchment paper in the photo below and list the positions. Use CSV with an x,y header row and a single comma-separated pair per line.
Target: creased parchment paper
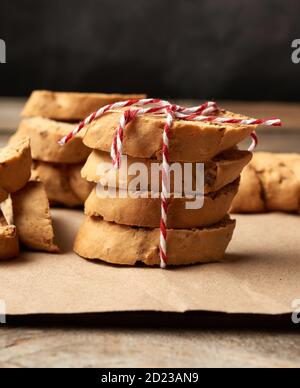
x,y
261,275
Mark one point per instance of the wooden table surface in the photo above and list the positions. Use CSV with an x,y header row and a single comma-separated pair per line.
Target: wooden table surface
x,y
70,346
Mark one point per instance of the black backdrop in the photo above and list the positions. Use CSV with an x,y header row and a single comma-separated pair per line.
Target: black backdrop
x,y
180,48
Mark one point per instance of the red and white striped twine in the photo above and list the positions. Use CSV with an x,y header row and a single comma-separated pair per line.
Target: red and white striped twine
x,y
206,113
165,185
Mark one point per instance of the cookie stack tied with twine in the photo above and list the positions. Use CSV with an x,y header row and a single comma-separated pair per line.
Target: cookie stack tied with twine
x,y
47,117
157,227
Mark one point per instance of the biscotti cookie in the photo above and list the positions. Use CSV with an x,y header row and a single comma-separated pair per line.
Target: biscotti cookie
x,y
272,182
281,188
146,212
62,183
249,198
190,141
44,136
9,242
55,178
292,160
15,167
81,187
69,106
119,244
222,170
32,218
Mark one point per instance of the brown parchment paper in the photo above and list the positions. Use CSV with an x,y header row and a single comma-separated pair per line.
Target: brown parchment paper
x,y
261,275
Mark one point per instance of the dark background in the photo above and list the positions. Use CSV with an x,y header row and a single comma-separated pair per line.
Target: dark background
x,y
231,49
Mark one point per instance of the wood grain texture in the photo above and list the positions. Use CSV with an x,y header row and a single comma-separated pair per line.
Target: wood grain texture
x,y
67,347
82,347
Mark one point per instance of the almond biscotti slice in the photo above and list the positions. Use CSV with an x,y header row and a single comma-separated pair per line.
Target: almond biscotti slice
x,y
44,136
218,173
59,181
81,187
15,167
250,195
190,141
270,183
124,245
281,188
130,209
70,106
32,218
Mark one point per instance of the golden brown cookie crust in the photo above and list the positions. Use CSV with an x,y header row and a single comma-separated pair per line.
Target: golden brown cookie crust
x,y
146,212
32,218
69,106
15,167
44,136
119,244
190,141
219,172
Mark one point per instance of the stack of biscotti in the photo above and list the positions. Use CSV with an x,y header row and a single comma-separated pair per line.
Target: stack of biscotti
x,y
125,230
24,207
47,117
271,182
